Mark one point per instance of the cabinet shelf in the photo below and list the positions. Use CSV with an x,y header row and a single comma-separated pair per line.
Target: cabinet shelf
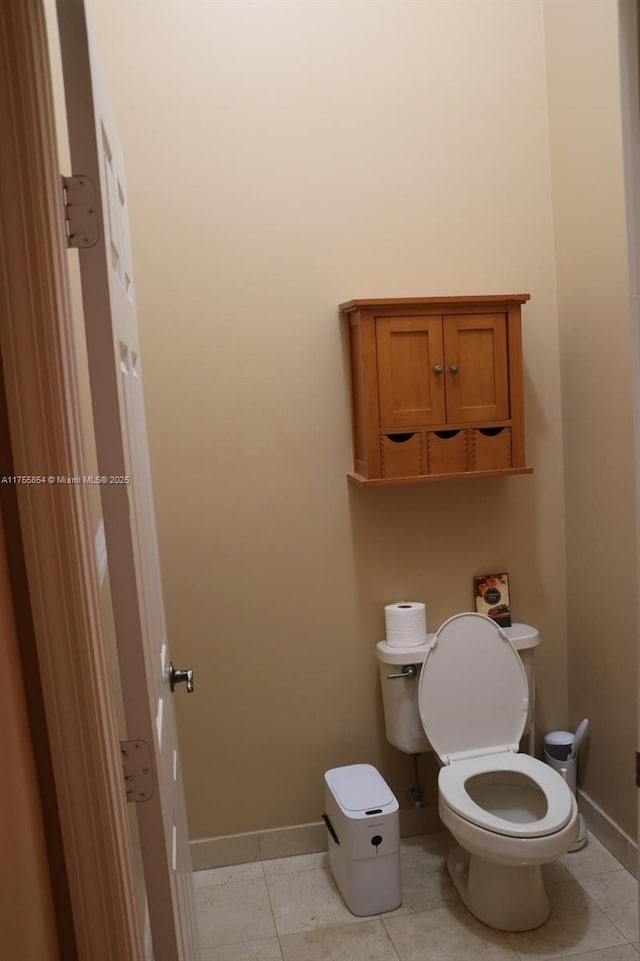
x,y
436,388
359,481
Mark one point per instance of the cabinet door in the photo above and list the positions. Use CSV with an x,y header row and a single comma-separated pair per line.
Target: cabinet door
x,y
476,368
410,371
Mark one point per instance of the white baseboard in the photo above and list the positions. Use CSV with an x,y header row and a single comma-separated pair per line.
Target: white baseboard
x,y
617,841
285,842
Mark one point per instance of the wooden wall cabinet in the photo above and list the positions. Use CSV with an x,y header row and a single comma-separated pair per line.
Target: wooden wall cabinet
x,y
437,388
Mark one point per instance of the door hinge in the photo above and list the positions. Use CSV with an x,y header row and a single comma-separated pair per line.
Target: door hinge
x,y
637,768
80,199
137,770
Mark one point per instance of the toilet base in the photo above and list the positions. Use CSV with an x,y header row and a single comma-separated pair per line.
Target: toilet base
x,y
509,898
582,836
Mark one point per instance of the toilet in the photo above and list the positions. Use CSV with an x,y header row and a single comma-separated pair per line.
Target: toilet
x,y
508,812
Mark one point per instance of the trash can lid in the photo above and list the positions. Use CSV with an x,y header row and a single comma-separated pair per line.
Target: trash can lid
x,y
558,737
358,787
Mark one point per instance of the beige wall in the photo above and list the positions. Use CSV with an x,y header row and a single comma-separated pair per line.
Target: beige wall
x,y
283,157
596,352
311,153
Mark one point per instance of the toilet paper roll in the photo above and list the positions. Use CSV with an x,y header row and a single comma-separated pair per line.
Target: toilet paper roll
x,y
406,623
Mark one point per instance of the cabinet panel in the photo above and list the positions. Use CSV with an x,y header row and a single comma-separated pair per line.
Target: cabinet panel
x,y
411,390
477,384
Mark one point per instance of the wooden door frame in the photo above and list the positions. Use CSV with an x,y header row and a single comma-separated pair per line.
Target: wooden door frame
x,y
629,40
39,365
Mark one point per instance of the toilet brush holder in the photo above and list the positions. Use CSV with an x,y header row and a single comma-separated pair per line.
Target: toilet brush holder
x,y
557,750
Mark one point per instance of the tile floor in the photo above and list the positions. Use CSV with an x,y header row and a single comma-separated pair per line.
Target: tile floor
x,y
290,910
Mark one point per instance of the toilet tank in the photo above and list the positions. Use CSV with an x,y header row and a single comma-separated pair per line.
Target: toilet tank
x,y
400,694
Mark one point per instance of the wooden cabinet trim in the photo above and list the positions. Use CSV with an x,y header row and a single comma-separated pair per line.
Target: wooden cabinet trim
x,y
370,392
482,301
361,481
514,348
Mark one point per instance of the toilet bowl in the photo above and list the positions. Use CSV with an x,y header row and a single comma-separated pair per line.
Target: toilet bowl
x,y
509,816
508,812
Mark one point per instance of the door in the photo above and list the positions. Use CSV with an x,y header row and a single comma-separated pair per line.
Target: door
x,y
127,502
410,371
477,379
27,902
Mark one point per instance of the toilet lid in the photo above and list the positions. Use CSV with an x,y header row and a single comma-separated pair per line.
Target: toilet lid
x,y
473,693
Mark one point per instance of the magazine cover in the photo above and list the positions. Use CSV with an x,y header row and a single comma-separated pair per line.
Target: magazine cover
x,y
491,592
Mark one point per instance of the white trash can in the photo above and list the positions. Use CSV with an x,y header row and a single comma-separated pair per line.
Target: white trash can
x,y
363,827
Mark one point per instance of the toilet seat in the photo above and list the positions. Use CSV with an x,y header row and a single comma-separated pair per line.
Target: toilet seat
x,y
453,780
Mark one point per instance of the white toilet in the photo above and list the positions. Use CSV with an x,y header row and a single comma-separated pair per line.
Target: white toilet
x,y
509,812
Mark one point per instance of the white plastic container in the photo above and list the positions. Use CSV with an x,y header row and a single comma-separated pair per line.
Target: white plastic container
x,y
557,748
363,829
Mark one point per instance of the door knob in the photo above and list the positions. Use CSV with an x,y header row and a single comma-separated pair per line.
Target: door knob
x,y
180,677
453,369
438,369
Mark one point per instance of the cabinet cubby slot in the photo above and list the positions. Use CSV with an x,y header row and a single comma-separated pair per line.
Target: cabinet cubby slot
x,y
401,455
399,438
447,451
490,448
